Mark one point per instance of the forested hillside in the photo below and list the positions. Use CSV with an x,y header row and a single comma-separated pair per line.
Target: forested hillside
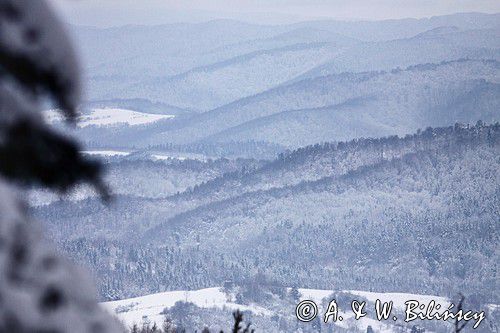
x,y
391,214
151,176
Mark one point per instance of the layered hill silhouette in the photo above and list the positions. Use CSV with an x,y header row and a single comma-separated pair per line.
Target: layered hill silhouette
x,y
360,208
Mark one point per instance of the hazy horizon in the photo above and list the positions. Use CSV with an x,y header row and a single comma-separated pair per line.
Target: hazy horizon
x,y
109,13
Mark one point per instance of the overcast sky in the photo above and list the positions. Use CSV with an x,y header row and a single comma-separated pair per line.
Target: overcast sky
x,y
121,12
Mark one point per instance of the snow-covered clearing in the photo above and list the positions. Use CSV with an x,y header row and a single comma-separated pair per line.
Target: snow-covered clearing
x,y
110,116
136,310
106,152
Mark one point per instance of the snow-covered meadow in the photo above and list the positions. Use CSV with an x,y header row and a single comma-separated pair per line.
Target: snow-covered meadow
x,y
149,308
110,116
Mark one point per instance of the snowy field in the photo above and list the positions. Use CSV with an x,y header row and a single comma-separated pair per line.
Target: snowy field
x,y
135,310
109,116
106,152
148,308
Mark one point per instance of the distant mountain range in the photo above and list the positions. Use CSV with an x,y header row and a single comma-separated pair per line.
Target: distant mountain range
x,y
335,107
206,65
268,88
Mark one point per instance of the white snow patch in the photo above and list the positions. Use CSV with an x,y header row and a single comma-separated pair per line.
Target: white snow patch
x,y
106,152
135,310
109,116
168,157
178,156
